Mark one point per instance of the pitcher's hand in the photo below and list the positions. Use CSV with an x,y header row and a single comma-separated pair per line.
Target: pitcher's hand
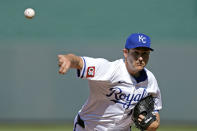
x,y
64,64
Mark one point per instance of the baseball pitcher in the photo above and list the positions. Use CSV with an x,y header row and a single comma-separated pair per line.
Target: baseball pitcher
x,y
122,92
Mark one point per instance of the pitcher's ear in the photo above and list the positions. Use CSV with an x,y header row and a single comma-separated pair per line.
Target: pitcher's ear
x,y
125,52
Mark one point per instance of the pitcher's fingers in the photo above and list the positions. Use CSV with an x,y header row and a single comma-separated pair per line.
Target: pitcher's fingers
x,y
141,116
139,119
61,60
66,67
60,64
62,68
65,70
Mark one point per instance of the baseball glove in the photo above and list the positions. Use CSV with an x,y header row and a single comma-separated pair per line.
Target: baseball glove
x,y
144,107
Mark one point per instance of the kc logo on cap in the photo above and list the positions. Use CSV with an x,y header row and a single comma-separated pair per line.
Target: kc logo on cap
x,y
142,39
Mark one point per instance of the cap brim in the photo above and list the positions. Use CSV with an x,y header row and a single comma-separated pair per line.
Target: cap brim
x,y
145,47
151,49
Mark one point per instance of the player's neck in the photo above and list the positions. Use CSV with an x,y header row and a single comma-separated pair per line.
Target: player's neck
x,y
135,74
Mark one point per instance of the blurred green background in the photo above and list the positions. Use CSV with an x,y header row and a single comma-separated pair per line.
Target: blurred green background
x,y
32,91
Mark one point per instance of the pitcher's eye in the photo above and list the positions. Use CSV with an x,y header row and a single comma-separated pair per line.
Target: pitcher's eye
x,y
145,53
135,53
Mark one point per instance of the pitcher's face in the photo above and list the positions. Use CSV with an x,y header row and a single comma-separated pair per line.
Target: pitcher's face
x,y
136,59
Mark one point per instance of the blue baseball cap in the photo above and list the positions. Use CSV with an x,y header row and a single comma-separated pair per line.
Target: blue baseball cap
x,y
138,40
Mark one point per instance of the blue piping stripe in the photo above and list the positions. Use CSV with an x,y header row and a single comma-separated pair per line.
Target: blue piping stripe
x,y
84,67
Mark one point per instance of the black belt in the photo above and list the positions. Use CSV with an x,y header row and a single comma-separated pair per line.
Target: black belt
x,y
80,122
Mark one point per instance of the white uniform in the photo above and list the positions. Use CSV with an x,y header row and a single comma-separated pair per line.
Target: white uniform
x,y
113,94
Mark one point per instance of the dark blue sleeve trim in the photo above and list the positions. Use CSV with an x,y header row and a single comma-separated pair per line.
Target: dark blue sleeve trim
x,y
84,67
78,73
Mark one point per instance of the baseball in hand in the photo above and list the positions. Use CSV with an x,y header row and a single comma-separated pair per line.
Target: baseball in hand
x,y
29,13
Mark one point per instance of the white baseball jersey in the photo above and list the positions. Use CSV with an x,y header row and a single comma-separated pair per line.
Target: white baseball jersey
x,y
113,94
